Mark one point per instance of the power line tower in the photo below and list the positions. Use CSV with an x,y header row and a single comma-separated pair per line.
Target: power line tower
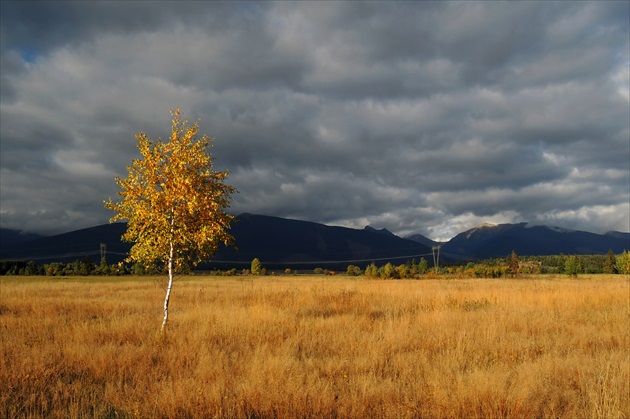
x,y
103,251
436,257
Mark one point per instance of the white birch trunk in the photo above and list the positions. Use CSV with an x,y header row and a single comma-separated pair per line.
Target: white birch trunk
x,y
170,286
170,280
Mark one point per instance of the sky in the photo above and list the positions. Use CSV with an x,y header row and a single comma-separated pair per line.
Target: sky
x,y
418,117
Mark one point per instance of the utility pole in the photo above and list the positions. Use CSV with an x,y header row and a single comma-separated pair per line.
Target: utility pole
x,y
436,257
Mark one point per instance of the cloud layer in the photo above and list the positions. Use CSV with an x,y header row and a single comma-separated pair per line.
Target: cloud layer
x,y
421,117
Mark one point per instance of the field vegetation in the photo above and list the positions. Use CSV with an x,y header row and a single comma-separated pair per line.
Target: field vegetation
x,y
315,346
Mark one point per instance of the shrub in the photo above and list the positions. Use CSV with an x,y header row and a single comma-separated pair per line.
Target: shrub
x,y
388,271
256,267
371,271
353,270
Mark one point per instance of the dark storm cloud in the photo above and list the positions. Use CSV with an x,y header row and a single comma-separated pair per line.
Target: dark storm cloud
x,y
42,26
422,117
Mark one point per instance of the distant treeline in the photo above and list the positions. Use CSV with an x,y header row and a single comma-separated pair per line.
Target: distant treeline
x,y
83,267
514,265
510,266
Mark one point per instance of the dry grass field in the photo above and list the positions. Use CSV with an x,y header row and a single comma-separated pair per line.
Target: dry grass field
x,y
315,347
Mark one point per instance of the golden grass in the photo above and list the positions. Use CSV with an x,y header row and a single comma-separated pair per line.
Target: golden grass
x,y
313,347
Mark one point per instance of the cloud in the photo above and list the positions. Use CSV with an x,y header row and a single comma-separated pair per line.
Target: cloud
x,y
419,117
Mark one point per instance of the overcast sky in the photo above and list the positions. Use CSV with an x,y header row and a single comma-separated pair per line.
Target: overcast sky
x,y
420,117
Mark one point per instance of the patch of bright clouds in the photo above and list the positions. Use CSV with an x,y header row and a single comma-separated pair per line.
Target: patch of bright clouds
x,y
463,222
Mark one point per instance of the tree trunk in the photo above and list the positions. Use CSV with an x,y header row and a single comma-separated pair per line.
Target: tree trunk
x,y
170,286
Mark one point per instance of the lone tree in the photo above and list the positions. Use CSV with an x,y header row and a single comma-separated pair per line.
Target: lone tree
x,y
173,201
256,267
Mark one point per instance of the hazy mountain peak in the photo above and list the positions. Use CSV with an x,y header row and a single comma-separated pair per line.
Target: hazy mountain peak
x,y
381,231
422,240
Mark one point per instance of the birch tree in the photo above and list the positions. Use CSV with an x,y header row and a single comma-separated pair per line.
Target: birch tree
x,y
174,202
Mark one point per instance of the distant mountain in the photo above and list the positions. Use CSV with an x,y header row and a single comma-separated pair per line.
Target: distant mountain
x,y
277,242
381,231
282,242
423,240
619,235
10,237
71,246
489,241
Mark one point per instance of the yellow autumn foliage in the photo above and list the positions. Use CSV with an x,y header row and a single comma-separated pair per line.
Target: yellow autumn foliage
x,y
173,197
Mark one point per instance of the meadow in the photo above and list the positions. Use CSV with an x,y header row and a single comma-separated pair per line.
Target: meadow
x,y
315,346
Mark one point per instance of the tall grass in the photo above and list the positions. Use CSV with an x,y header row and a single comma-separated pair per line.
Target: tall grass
x,y
313,347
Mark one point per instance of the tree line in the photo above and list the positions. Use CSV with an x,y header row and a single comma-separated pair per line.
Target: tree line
x,y
85,267
510,266
571,265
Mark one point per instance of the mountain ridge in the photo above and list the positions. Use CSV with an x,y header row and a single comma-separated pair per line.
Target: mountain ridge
x,y
10,236
283,241
491,241
275,241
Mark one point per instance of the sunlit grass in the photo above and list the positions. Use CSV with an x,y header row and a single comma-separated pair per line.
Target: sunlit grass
x,y
315,347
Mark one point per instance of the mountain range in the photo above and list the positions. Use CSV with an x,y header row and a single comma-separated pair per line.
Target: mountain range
x,y
277,242
280,243
491,241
